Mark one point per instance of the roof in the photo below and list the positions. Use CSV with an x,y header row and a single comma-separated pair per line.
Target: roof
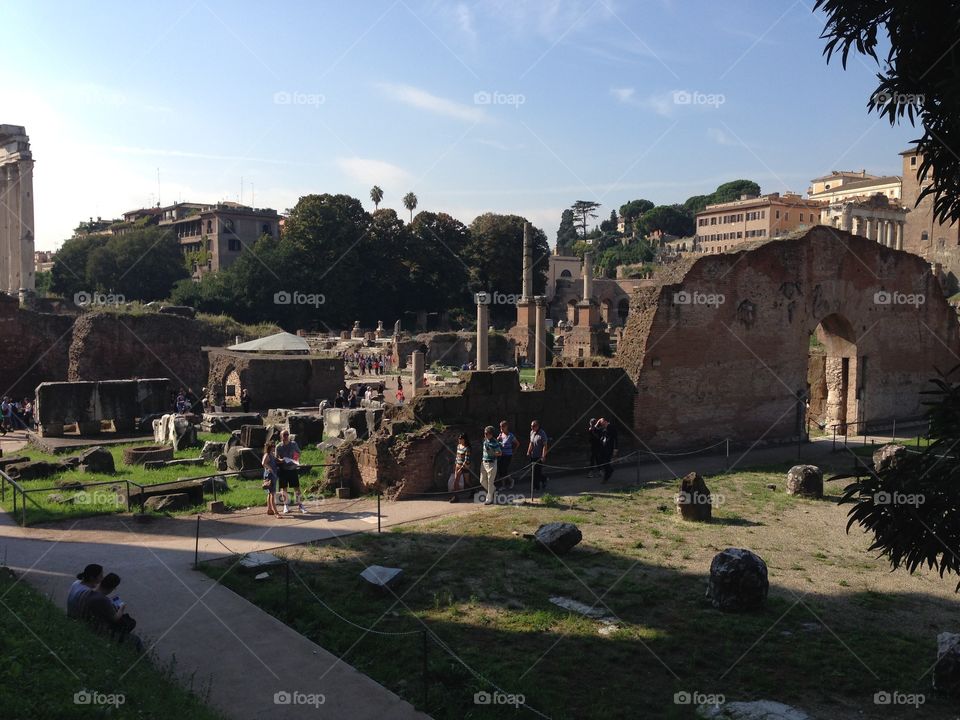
x,y
282,342
790,199
844,173
885,180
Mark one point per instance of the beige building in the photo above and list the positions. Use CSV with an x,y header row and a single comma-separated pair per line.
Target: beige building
x,y
213,236
723,226
843,184
876,217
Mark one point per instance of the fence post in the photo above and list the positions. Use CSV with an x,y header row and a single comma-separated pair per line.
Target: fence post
x,y
894,438
378,510
3,488
834,448
532,468
425,671
196,547
638,467
128,494
286,606
23,507
727,441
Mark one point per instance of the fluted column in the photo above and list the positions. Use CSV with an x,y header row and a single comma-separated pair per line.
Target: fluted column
x,y
6,234
540,335
847,223
870,234
483,322
859,228
899,240
15,236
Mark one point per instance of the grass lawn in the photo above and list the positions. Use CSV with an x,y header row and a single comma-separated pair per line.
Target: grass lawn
x,y
528,375
46,659
102,499
838,626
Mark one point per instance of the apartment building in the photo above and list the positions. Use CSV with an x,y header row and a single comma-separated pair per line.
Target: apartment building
x,y
724,226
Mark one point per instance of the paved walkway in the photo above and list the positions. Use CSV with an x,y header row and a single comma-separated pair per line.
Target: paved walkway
x,y
245,654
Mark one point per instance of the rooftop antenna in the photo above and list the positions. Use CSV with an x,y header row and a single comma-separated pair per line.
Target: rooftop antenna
x,y
253,196
241,189
158,187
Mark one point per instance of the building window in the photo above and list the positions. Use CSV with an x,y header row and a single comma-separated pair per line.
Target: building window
x,y
565,274
233,245
924,237
266,229
778,214
913,161
209,226
228,225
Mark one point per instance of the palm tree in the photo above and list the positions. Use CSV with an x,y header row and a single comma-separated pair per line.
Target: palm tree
x,y
376,194
410,203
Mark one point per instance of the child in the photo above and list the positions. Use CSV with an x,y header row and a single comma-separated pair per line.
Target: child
x,y
461,465
270,477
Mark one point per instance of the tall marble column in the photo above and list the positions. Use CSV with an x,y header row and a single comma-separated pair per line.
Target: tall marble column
x,y
847,223
6,236
483,322
540,335
871,229
859,225
587,276
527,289
899,240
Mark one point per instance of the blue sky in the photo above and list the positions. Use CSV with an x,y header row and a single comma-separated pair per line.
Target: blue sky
x,y
506,106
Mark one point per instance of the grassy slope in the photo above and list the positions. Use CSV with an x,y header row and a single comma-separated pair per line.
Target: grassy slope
x,y
45,658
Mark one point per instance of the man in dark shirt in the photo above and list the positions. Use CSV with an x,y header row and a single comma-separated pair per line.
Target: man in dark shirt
x,y
105,613
608,446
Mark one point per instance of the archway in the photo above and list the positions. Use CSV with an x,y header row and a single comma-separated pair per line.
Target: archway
x,y
835,376
623,309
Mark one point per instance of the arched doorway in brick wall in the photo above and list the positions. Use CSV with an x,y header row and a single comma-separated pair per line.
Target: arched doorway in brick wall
x,y
835,376
230,386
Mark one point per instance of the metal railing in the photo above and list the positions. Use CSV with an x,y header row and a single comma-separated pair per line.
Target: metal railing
x,y
876,427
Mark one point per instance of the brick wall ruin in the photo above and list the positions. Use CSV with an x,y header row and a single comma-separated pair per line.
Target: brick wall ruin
x,y
732,368
274,380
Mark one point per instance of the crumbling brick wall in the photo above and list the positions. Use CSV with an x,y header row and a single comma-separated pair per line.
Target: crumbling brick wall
x,y
33,347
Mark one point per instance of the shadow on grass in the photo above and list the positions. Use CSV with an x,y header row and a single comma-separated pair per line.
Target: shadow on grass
x,y
484,603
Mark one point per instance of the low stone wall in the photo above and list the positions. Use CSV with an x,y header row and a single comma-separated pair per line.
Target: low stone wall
x,y
90,403
274,380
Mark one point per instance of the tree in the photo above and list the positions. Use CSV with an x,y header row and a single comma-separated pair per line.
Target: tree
x,y
630,211
919,78
434,263
376,194
583,212
610,225
910,502
669,219
410,203
494,254
68,276
566,234
724,193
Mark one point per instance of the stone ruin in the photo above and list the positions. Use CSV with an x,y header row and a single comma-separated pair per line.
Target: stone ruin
x,y
90,404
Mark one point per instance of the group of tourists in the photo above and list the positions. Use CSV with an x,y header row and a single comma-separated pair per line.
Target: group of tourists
x,y
15,415
370,364
497,453
281,470
91,598
350,398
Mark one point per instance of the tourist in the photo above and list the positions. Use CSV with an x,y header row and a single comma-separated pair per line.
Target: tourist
x,y
594,436
86,582
288,454
353,402
399,396
488,464
108,614
339,401
508,443
537,452
245,400
461,466
608,446
270,477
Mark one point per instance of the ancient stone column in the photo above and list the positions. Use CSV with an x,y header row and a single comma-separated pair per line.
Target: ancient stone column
x,y
527,289
847,223
416,369
870,234
483,322
540,335
882,231
899,240
16,210
588,276
5,229
859,225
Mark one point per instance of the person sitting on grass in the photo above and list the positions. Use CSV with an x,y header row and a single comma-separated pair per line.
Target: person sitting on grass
x,y
85,583
108,614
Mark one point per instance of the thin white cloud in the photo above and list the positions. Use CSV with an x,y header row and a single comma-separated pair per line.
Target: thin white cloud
x,y
374,172
423,100
625,94
720,137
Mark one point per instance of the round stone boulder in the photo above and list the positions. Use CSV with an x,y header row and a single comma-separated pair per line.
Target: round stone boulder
x,y
805,480
738,581
888,457
558,537
694,501
946,673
